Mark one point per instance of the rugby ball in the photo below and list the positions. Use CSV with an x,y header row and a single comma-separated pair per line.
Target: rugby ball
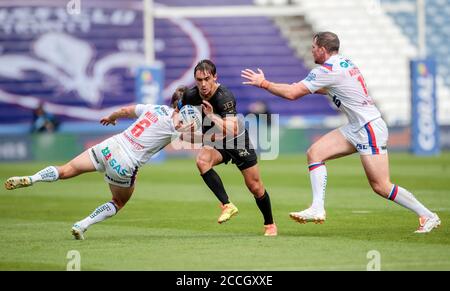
x,y
190,114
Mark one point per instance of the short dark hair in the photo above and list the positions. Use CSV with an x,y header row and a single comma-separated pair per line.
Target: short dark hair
x,y
178,96
328,40
206,66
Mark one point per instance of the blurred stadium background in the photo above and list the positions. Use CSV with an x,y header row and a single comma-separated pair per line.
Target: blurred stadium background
x,y
82,64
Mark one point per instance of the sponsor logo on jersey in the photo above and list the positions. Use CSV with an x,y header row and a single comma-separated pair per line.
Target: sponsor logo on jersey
x,y
311,77
135,144
118,182
349,62
354,72
344,65
228,106
161,111
362,147
336,101
113,162
366,147
95,156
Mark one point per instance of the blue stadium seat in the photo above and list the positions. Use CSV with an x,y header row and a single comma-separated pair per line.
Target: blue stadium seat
x,y
236,43
438,30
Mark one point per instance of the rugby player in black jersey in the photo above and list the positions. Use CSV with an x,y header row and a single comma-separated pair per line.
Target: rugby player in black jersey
x,y
225,139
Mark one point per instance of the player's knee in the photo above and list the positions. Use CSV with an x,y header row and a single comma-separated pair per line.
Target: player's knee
x,y
203,163
380,188
256,187
312,155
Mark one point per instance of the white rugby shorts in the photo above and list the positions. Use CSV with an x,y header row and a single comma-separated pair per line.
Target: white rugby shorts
x,y
371,139
108,157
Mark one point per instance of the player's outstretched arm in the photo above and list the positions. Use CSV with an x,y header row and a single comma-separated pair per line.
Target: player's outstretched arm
x,y
288,91
124,112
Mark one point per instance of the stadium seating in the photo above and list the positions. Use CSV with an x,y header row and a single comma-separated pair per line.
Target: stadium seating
x,y
258,45
370,38
378,45
437,13
252,42
235,43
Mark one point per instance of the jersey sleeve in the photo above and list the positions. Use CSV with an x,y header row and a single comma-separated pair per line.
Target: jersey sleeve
x,y
141,108
319,78
226,105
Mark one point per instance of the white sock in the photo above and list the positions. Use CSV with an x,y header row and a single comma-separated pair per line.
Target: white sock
x,y
404,198
100,213
318,177
49,174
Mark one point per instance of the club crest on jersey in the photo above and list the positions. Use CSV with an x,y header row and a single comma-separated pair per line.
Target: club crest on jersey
x,y
243,153
113,162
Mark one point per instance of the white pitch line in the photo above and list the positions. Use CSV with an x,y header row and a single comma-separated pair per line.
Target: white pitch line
x,y
361,211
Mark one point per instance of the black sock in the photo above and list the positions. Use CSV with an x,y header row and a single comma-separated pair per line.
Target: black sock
x,y
265,208
215,184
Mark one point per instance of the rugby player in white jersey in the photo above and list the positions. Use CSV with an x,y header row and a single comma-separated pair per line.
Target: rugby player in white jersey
x,y
366,133
119,156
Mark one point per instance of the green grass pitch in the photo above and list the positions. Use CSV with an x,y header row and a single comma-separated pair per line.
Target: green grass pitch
x,y
170,222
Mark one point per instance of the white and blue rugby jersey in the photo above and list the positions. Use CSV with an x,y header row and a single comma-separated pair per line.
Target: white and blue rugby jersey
x,y
151,132
347,89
